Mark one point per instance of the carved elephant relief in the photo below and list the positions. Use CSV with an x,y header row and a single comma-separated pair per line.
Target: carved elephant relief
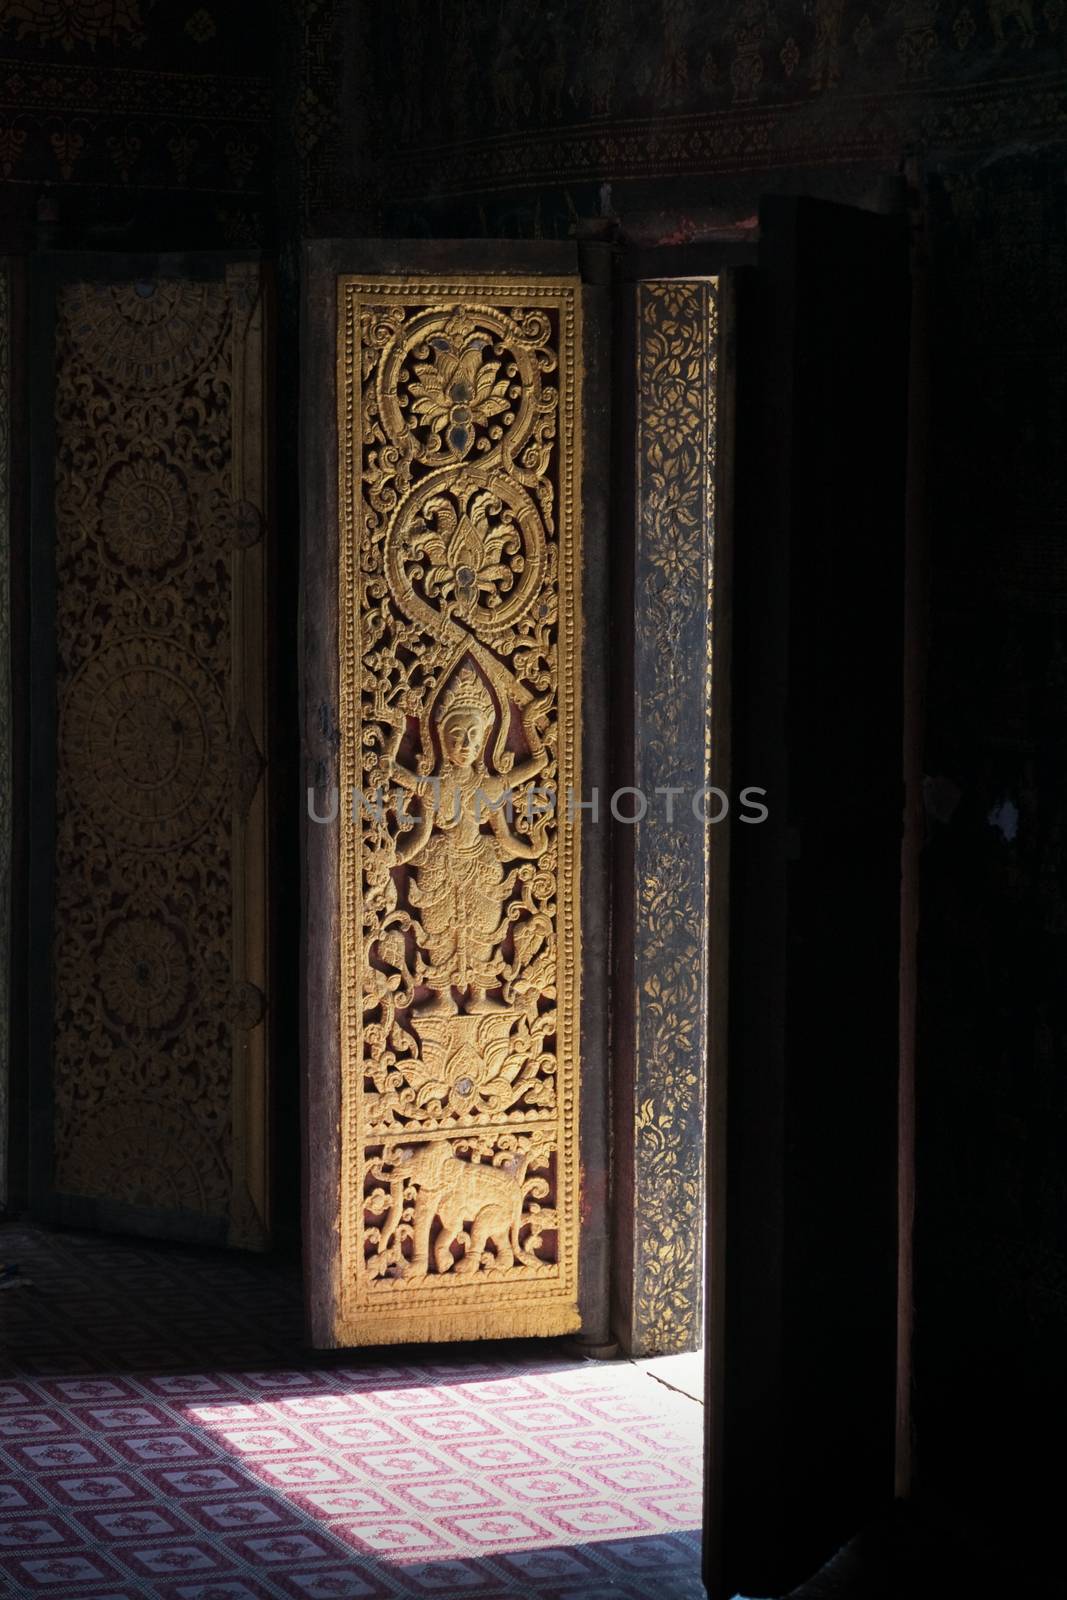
x,y
469,1199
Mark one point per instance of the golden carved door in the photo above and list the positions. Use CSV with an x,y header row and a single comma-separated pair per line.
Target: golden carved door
x,y
149,1000
455,1121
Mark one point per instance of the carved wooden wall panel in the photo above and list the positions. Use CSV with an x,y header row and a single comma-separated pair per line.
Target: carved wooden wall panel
x,y
460,636
159,1067
661,1023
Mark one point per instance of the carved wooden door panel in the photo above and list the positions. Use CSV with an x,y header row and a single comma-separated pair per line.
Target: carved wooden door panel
x,y
149,1047
448,758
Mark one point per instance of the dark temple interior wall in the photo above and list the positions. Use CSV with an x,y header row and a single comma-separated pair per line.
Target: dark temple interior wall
x,y
136,124
668,119
992,1086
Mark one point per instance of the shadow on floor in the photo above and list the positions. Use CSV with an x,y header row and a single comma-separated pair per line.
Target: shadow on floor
x,y
908,1556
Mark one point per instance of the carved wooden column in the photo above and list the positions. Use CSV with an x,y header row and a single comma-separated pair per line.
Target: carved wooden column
x,y
664,718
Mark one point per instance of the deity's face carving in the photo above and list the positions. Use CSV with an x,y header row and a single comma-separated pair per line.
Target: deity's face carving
x,y
463,735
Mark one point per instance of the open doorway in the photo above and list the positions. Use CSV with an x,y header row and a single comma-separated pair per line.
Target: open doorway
x,y
665,691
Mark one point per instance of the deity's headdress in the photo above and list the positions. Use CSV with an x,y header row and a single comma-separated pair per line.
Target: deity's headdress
x,y
466,692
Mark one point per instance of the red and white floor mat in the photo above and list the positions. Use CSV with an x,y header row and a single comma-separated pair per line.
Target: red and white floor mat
x,y
162,1434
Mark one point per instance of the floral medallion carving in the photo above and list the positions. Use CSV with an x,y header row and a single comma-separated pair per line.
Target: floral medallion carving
x,y
145,515
460,652
145,973
149,336
145,743
148,1150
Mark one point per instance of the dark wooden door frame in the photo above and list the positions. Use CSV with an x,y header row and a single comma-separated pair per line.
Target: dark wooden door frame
x,y
802,1125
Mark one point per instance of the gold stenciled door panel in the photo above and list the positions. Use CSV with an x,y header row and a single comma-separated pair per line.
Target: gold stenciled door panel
x,y
158,1035
459,659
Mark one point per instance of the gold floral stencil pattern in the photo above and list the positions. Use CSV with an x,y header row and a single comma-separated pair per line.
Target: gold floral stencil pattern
x,y
676,377
460,654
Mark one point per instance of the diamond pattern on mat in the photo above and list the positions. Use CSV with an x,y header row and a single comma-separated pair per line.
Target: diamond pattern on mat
x,y
164,1436
98,1488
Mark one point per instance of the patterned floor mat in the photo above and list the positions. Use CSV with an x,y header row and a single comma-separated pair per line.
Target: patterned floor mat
x,y
164,1434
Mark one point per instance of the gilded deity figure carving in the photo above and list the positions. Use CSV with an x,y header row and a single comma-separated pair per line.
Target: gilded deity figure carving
x,y
459,887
